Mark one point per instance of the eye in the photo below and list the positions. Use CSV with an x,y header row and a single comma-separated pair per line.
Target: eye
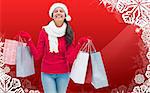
x,y
61,11
55,11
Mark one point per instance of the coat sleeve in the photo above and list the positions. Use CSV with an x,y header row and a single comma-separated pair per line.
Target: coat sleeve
x,y
38,51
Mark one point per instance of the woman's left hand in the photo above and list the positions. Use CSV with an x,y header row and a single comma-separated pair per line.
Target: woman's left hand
x,y
83,40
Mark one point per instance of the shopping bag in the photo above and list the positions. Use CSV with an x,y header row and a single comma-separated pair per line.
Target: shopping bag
x,y
99,78
24,61
79,68
10,47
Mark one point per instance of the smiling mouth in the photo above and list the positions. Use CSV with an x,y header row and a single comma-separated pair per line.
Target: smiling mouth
x,y
59,16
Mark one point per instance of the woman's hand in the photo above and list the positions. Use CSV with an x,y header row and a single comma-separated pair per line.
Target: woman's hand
x,y
25,35
83,40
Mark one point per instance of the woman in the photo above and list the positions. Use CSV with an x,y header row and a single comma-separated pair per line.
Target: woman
x,y
56,48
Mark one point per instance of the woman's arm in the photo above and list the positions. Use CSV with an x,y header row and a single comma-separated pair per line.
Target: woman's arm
x,y
38,51
71,53
73,49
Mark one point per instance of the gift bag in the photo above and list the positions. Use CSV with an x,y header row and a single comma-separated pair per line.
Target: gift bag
x,y
10,47
79,68
24,61
99,78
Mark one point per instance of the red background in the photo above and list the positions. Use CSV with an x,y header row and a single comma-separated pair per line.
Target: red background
x,y
88,19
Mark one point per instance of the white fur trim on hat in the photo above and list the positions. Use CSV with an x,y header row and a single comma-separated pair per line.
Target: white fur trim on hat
x,y
61,5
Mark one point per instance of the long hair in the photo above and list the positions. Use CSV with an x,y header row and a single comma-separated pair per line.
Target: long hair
x,y
69,33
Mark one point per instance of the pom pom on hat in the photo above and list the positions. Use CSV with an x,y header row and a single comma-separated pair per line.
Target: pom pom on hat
x,y
61,5
68,18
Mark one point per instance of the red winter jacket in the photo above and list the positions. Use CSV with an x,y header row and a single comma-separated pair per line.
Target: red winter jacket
x,y
54,63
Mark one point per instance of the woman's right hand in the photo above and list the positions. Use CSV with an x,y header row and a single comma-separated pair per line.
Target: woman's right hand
x,y
25,35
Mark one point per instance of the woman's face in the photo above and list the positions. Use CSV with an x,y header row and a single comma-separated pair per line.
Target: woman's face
x,y
58,14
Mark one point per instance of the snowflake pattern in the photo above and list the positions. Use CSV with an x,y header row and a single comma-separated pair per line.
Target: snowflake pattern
x,y
139,79
1,54
9,85
148,55
129,8
120,89
31,91
148,67
146,37
141,89
133,11
136,12
111,4
147,83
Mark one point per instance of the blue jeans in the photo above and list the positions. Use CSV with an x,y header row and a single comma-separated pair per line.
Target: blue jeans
x,y
55,83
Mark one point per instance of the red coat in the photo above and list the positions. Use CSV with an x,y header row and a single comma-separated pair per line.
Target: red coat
x,y
54,62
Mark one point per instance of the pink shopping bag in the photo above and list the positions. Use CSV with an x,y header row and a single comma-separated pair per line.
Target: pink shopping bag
x,y
10,47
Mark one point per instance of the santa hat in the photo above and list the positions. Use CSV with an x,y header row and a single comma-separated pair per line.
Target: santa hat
x,y
61,5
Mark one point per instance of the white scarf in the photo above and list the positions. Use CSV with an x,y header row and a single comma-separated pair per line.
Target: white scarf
x,y
53,33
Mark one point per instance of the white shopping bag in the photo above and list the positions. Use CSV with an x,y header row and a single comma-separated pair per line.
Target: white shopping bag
x,y
79,68
24,61
99,78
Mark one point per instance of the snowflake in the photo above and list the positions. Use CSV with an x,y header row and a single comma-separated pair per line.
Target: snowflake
x,y
6,69
148,67
146,27
7,84
141,89
147,74
1,71
147,83
1,54
105,2
148,55
141,21
146,37
120,89
134,11
111,3
139,79
31,91
34,91
10,85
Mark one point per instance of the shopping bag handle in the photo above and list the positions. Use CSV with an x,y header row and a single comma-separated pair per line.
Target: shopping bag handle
x,y
2,36
92,47
85,47
89,46
21,41
82,46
